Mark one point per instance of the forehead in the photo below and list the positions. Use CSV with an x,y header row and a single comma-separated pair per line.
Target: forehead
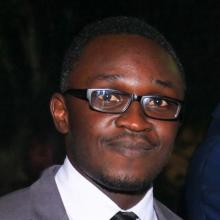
x,y
129,58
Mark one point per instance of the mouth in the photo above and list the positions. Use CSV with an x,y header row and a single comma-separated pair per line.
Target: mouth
x,y
130,147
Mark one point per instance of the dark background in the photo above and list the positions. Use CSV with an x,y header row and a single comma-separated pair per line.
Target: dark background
x,y
33,38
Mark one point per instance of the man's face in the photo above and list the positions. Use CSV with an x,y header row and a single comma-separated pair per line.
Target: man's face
x,y
120,151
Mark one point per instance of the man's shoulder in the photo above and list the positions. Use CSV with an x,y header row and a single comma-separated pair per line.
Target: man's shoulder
x,y
15,204
163,213
21,204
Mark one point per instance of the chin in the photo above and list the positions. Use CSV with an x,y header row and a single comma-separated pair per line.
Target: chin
x,y
123,184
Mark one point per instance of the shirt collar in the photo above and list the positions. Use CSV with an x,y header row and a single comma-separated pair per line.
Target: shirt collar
x,y
83,200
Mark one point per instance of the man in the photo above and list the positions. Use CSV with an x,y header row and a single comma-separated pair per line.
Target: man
x,y
202,196
121,97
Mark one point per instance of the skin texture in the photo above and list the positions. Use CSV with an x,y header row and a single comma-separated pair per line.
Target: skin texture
x,y
120,153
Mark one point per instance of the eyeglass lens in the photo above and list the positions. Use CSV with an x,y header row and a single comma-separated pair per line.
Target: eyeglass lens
x,y
109,101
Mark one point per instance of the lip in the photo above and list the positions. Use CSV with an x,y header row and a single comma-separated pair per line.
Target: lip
x,y
131,148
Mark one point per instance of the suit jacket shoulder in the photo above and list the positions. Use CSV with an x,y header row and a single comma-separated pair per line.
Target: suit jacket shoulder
x,y
40,201
15,204
163,213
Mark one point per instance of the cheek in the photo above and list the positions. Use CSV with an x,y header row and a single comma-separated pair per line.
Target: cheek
x,y
87,127
84,147
82,120
92,124
167,132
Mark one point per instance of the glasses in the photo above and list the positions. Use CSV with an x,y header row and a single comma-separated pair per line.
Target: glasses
x,y
115,102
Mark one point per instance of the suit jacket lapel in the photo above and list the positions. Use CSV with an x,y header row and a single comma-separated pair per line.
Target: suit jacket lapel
x,y
163,213
159,213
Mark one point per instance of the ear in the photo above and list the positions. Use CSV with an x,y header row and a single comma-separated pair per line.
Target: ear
x,y
59,113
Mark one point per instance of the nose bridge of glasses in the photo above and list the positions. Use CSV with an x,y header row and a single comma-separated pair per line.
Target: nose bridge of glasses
x,y
137,98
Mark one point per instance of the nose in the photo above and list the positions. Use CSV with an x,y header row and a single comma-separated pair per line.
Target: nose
x,y
134,119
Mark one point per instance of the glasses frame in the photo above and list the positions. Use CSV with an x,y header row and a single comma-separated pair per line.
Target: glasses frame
x,y
86,94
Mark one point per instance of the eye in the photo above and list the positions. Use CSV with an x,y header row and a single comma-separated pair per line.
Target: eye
x,y
108,97
158,102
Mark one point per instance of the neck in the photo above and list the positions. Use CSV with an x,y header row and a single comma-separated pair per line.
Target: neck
x,y
125,200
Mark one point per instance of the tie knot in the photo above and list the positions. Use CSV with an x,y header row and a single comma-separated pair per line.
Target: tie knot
x,y
125,216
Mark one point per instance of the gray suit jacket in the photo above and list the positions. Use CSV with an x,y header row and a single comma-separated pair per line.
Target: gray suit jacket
x,y
42,201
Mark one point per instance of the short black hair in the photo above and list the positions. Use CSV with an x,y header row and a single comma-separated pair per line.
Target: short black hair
x,y
113,25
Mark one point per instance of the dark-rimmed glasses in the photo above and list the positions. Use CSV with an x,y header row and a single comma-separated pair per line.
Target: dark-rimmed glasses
x,y
115,102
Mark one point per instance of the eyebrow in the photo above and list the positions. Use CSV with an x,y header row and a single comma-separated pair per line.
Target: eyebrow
x,y
113,77
164,83
105,76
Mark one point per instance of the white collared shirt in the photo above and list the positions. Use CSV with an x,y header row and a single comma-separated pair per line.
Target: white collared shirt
x,y
83,200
